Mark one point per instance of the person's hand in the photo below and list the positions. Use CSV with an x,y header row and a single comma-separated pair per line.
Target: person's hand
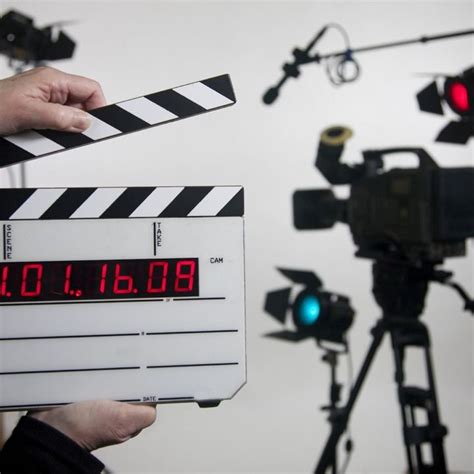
x,y
100,423
47,98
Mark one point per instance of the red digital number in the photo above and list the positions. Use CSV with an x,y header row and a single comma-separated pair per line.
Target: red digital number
x,y
128,280
39,275
3,287
67,283
103,275
151,275
185,274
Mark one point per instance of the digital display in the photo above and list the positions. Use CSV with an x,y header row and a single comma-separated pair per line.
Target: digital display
x,y
98,280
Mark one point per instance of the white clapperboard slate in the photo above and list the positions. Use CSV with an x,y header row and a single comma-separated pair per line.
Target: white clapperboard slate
x,y
127,293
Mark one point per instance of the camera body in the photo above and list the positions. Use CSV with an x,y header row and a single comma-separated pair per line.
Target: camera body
x,y
425,212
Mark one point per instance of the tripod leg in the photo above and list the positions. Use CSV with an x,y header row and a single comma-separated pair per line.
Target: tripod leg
x,y
407,411
340,417
414,398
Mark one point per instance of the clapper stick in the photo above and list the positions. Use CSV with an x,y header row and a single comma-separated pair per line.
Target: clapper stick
x,y
121,118
120,203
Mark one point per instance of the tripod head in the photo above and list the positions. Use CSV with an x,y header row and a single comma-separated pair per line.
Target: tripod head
x,y
400,287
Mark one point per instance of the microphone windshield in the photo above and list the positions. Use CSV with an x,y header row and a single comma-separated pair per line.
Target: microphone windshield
x,y
270,96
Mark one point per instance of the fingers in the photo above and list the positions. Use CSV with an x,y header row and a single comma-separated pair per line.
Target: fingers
x,y
67,88
84,91
47,98
43,115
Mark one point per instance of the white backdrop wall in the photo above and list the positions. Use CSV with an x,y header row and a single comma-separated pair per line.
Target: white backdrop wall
x,y
133,48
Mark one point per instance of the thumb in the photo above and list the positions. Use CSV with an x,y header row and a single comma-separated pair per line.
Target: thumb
x,y
124,421
99,423
136,418
57,117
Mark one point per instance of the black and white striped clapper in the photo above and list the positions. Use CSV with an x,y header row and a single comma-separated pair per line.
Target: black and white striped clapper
x,y
133,294
123,117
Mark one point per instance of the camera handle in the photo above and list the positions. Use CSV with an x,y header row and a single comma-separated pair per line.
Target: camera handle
x,y
373,158
331,147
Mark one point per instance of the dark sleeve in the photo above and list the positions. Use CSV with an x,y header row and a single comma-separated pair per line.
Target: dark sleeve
x,y
35,447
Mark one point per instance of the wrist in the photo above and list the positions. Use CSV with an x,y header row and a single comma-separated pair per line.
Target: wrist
x,y
59,422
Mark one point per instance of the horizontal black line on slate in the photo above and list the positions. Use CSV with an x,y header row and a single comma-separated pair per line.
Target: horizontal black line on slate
x,y
200,299
191,332
190,365
137,300
35,405
176,398
29,338
29,372
82,302
125,217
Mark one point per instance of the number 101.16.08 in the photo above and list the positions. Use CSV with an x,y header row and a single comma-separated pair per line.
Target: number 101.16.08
x,y
98,279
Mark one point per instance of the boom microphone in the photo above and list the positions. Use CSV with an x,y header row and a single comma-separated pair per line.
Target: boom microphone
x,y
271,95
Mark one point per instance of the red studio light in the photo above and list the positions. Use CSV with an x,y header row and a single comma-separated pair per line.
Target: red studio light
x,y
457,96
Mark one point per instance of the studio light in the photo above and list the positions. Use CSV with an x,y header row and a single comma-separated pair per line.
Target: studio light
x,y
24,44
458,93
316,313
457,96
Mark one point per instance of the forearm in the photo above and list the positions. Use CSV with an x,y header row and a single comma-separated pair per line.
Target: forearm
x,y
35,447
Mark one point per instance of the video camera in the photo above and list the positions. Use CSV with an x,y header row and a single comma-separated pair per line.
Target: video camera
x,y
424,213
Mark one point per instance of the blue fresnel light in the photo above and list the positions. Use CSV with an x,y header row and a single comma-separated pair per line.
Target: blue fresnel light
x,y
309,311
315,313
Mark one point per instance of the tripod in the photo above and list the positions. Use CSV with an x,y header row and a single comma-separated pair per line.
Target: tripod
x,y
400,289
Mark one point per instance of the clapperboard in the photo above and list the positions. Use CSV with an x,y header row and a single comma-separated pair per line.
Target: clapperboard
x,y
126,293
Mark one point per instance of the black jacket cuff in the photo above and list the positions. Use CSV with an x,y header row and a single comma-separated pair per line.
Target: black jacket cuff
x,y
36,447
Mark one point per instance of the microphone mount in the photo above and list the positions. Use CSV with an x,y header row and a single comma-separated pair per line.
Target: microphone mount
x,y
337,61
